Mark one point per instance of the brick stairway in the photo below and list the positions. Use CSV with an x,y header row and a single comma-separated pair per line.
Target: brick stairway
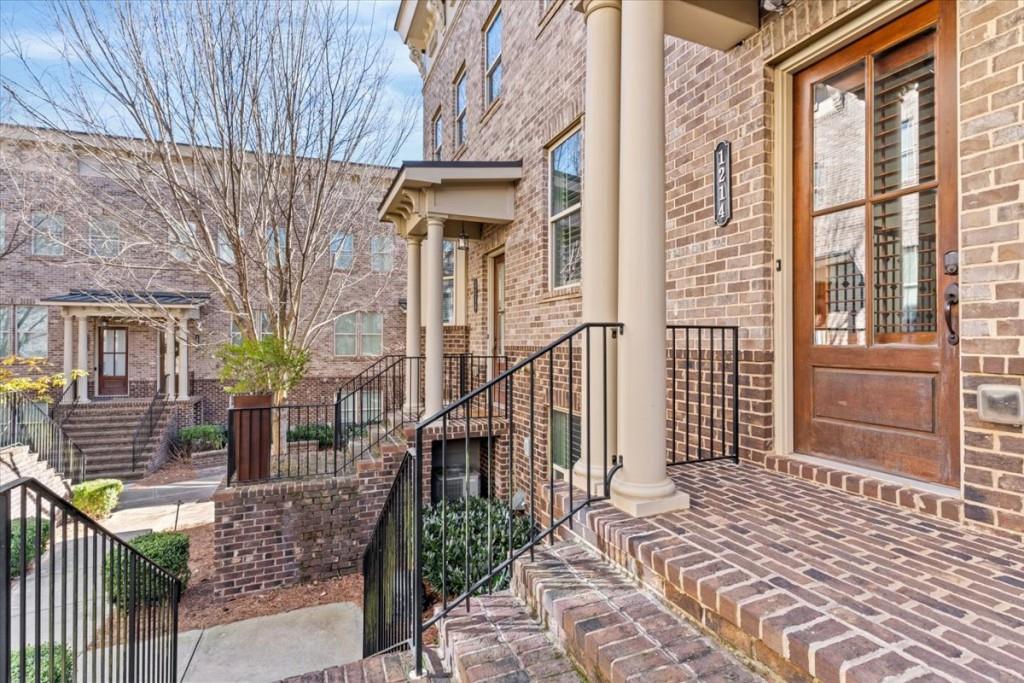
x,y
105,430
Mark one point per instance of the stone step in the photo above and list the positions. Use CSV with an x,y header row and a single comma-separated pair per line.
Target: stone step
x,y
111,440
393,667
614,629
497,639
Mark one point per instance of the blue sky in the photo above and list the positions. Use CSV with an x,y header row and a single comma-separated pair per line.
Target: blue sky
x,y
23,21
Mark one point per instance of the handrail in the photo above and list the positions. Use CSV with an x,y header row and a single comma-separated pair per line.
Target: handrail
x,y
23,421
60,411
145,426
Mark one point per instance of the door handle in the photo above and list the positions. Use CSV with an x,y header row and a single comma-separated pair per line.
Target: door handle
x,y
952,298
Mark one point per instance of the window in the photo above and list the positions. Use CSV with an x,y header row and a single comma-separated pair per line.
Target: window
x,y
181,237
104,238
438,137
5,332
3,231
359,334
31,331
561,443
492,59
47,235
225,253
448,281
382,253
565,173
236,332
277,246
360,408
342,251
460,109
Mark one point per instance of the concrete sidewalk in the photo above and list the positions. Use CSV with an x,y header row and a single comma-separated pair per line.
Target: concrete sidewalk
x,y
267,649
155,508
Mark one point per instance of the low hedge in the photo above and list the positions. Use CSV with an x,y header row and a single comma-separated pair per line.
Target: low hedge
x,y
56,664
29,528
456,521
168,549
323,434
204,437
97,498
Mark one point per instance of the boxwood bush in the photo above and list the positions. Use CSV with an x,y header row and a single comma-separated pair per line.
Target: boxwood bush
x,y
323,434
168,549
97,498
29,529
61,670
456,522
204,437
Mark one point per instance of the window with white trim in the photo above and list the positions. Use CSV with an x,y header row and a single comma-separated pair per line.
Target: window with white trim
x,y
460,109
225,253
492,59
5,332
382,250
448,252
565,174
342,250
359,334
104,238
564,447
438,129
181,237
31,327
47,234
264,329
277,246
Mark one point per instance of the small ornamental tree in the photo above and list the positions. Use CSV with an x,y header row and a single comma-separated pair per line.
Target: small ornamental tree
x,y
30,377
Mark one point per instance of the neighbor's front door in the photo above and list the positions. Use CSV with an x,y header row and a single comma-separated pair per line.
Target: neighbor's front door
x,y
875,369
113,375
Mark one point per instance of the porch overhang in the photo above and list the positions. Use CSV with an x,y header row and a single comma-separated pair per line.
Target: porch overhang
x,y
183,305
467,194
719,24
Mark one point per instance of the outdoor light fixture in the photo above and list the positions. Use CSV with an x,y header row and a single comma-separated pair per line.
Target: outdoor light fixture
x,y
463,239
403,304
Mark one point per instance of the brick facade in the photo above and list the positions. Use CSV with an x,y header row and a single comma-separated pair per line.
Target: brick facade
x,y
725,275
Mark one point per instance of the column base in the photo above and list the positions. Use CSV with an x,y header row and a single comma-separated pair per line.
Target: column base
x,y
645,500
579,480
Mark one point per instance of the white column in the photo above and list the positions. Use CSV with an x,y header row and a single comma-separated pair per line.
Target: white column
x,y
413,324
433,398
69,353
599,236
83,358
183,388
643,486
169,358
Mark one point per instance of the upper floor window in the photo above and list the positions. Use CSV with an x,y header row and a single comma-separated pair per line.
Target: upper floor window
x,y
460,109
448,281
565,178
264,328
492,59
47,234
104,238
225,252
359,334
277,246
31,326
438,137
5,332
342,251
3,235
181,237
382,250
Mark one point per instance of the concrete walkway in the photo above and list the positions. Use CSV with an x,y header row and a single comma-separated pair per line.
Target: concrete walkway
x,y
267,649
155,507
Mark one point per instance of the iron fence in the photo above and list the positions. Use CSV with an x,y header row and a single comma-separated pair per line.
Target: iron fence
x,y
145,427
27,422
284,442
76,602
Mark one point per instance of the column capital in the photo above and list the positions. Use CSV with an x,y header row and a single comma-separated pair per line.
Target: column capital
x,y
414,239
590,6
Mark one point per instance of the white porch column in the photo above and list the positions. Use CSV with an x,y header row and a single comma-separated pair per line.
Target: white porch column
x,y
599,236
183,388
413,324
169,358
434,394
83,358
69,353
643,486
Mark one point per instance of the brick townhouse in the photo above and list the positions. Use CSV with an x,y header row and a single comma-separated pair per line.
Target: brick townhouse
x,y
56,301
865,238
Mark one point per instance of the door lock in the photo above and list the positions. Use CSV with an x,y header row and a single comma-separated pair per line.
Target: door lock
x,y
951,263
952,298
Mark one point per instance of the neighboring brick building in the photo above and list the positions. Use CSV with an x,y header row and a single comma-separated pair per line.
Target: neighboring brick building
x,y
42,279
880,390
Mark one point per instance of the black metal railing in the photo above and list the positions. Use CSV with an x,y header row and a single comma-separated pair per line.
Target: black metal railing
x,y
145,427
66,404
703,396
464,372
284,442
27,422
75,600
513,441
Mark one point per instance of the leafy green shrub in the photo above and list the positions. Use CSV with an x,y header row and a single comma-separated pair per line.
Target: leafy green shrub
x,y
323,434
97,498
168,549
62,669
456,522
205,437
28,528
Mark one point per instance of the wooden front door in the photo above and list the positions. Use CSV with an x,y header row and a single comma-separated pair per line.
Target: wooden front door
x,y
498,311
875,367
113,361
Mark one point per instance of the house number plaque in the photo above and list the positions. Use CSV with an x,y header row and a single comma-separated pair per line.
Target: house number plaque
x,y
723,183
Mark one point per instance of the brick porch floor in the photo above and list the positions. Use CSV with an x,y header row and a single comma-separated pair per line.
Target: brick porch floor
x,y
815,582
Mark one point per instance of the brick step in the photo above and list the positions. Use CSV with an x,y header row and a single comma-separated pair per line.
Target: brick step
x,y
393,667
111,440
123,473
97,421
614,629
499,640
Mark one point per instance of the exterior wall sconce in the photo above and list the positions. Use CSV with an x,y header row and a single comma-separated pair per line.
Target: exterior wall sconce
x,y
463,243
403,303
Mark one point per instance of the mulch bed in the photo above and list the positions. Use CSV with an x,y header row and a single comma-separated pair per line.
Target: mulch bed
x,y
175,469
201,609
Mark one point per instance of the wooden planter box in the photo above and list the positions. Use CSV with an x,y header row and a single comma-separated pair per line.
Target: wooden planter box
x,y
253,435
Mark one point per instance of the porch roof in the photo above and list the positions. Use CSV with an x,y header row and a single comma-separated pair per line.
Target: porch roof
x,y
99,297
466,194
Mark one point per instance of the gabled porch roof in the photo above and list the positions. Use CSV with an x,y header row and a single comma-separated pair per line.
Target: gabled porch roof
x,y
100,302
467,194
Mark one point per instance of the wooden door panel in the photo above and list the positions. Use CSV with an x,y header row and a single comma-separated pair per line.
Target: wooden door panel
x,y
904,400
907,453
